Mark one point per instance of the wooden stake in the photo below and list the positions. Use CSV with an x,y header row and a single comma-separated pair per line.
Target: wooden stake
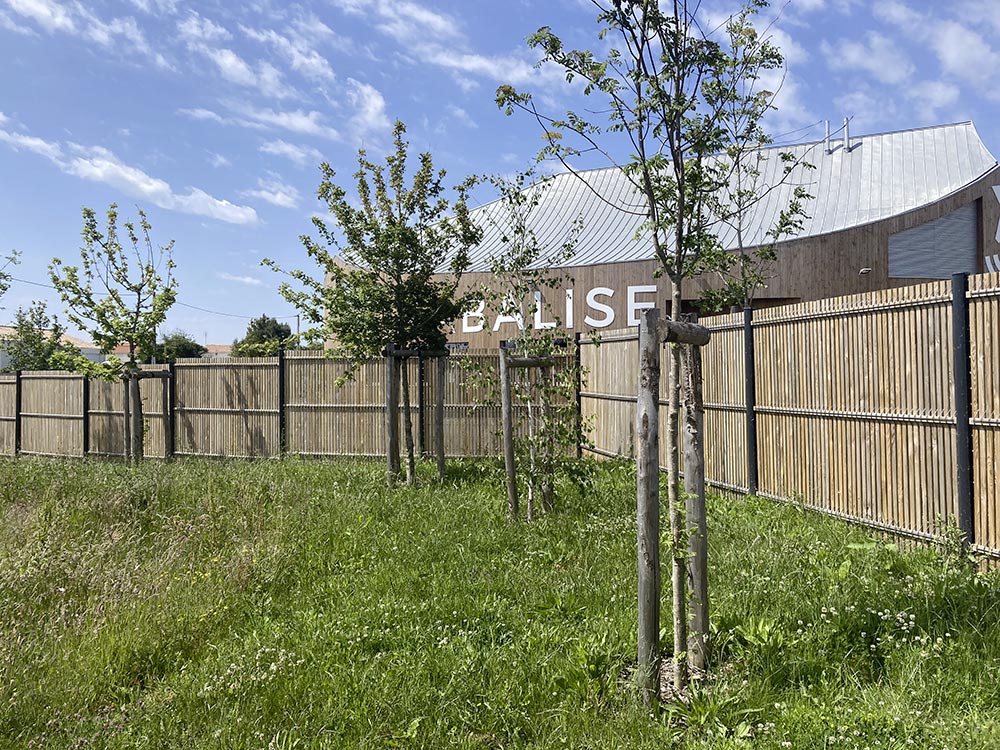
x,y
507,418
647,493
391,418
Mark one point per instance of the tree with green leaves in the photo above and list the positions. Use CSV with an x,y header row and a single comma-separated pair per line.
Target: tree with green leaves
x,y
12,258
264,337
666,88
522,288
36,342
390,264
119,294
178,345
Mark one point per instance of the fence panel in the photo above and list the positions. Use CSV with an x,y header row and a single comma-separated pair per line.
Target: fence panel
x,y
724,391
984,333
326,419
227,407
607,398
8,387
855,406
51,413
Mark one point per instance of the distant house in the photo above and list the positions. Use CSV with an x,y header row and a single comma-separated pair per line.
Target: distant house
x,y
87,349
217,351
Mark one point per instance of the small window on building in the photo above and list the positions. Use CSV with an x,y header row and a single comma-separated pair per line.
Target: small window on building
x,y
937,249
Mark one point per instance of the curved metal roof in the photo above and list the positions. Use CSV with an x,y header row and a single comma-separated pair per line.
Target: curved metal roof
x,y
879,176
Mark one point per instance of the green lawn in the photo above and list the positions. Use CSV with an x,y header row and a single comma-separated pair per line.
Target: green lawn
x,y
302,605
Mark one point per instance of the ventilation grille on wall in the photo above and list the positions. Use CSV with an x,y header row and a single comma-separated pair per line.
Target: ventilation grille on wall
x,y
937,249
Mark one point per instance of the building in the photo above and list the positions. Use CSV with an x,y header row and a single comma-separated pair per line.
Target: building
x,y
887,210
87,349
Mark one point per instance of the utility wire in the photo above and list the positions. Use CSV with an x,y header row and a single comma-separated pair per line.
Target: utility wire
x,y
182,304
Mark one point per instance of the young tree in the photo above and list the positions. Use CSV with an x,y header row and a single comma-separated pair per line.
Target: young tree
x,y
264,336
177,345
36,343
119,294
665,87
522,288
378,262
12,258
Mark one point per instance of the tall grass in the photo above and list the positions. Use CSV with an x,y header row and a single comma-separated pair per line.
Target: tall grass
x,y
302,605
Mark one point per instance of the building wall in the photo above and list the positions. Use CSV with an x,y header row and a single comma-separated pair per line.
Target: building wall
x,y
806,269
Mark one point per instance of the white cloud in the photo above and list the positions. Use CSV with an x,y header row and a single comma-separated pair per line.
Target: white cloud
x,y
157,7
295,121
369,119
196,29
274,191
297,51
961,51
218,160
461,116
8,23
19,142
248,280
877,55
301,155
199,113
98,164
867,110
404,20
77,20
49,15
932,96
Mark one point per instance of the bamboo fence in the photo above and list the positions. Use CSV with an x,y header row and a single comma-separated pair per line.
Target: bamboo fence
x,y
855,407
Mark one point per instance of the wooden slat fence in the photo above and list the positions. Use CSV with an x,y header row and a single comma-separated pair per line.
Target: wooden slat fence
x,y
855,405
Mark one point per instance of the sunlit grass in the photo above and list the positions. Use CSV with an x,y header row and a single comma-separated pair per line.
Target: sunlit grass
x,y
301,604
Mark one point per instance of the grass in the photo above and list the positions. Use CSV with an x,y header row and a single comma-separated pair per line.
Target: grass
x,y
302,605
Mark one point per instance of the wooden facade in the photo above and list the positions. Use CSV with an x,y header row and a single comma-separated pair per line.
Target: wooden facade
x,y
851,261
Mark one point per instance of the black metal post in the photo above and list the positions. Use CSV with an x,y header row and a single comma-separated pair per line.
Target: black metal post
x,y
749,365
172,416
579,399
17,412
963,403
86,415
282,442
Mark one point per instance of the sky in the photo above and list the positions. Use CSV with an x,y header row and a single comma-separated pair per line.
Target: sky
x,y
213,117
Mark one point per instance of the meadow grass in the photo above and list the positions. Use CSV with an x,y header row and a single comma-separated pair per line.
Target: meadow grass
x,y
296,604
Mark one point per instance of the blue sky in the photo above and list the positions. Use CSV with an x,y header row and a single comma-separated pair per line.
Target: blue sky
x,y
213,117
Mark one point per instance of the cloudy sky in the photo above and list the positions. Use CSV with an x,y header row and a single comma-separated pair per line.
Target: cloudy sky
x,y
213,119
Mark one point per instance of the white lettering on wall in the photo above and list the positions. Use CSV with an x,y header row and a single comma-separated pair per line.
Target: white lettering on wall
x,y
609,314
540,324
468,326
516,318
634,306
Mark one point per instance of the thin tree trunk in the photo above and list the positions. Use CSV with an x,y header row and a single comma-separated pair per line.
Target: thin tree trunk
x,y
694,486
135,396
404,379
126,420
507,419
392,418
548,449
678,526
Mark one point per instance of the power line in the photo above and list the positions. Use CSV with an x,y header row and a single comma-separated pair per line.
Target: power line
x,y
182,304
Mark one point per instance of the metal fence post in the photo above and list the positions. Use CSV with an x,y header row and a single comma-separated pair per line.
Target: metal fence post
x,y
750,370
86,415
963,404
17,412
171,423
282,437
421,405
577,362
